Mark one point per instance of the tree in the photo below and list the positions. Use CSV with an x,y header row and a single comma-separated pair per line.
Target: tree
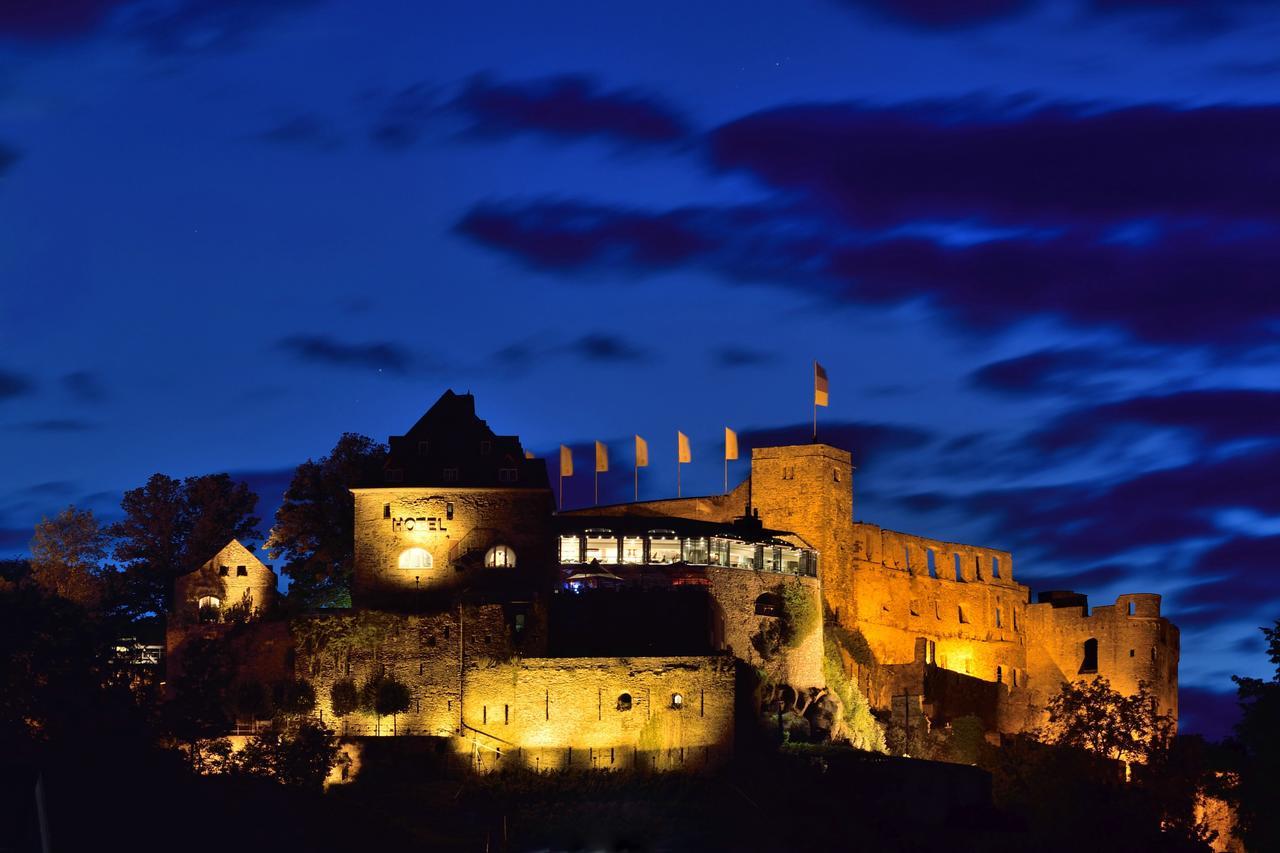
x,y
297,751
66,556
201,703
383,695
1092,716
314,528
171,527
1257,740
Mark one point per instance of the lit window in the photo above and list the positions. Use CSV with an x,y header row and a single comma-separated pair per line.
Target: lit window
x,y
633,549
415,558
210,609
500,557
210,601
695,551
570,549
742,555
664,547
677,701
602,545
789,559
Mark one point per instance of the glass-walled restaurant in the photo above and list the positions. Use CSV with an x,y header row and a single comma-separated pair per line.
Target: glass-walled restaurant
x,y
645,542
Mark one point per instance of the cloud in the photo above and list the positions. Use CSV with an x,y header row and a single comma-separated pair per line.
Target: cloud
x,y
304,131
1043,371
322,350
164,26
868,442
1196,289
1017,160
735,357
941,14
190,26
567,107
39,20
14,385
610,349
1238,579
84,386
1101,519
1213,417
403,116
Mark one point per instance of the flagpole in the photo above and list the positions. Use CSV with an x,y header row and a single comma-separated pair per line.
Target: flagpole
x,y
597,503
637,472
561,488
726,471
815,402
677,473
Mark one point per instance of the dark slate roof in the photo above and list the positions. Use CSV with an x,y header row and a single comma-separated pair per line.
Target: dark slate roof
x,y
450,447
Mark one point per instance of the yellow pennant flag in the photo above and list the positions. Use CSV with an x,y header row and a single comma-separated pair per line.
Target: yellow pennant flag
x,y
730,444
642,453
821,395
602,458
682,441
566,462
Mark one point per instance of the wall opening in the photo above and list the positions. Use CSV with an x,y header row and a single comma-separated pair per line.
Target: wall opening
x,y
999,618
932,559
1090,662
999,675
769,604
624,702
995,567
677,701
964,618
959,572
1130,608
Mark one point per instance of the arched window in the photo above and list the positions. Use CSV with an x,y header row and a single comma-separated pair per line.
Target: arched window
x,y
677,701
624,702
415,558
210,608
999,675
500,557
769,604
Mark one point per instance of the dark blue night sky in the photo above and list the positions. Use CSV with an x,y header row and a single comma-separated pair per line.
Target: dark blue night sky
x,y
1034,243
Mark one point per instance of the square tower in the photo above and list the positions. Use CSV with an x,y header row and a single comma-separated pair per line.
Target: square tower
x,y
808,490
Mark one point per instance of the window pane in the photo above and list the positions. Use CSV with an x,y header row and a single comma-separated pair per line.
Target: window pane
x,y
695,551
790,559
742,555
719,555
664,550
602,548
633,549
570,549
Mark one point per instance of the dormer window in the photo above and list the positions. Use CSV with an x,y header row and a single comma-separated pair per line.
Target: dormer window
x,y
450,475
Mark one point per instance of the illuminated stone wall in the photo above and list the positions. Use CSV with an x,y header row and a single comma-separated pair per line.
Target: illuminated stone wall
x,y
735,592
455,527
256,588
546,713
1134,643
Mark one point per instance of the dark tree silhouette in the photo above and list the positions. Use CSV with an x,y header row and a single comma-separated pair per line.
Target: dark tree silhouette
x,y
1093,716
297,752
171,527
1257,739
66,556
314,529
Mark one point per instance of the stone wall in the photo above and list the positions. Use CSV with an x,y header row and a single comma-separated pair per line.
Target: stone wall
x,y
1134,643
546,713
735,622
455,527
255,589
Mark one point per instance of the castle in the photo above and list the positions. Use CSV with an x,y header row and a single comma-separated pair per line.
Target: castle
x,y
633,635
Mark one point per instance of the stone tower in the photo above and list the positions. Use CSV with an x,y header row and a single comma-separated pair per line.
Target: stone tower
x,y
807,489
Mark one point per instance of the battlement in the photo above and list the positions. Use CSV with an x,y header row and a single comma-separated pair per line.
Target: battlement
x,y
932,558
